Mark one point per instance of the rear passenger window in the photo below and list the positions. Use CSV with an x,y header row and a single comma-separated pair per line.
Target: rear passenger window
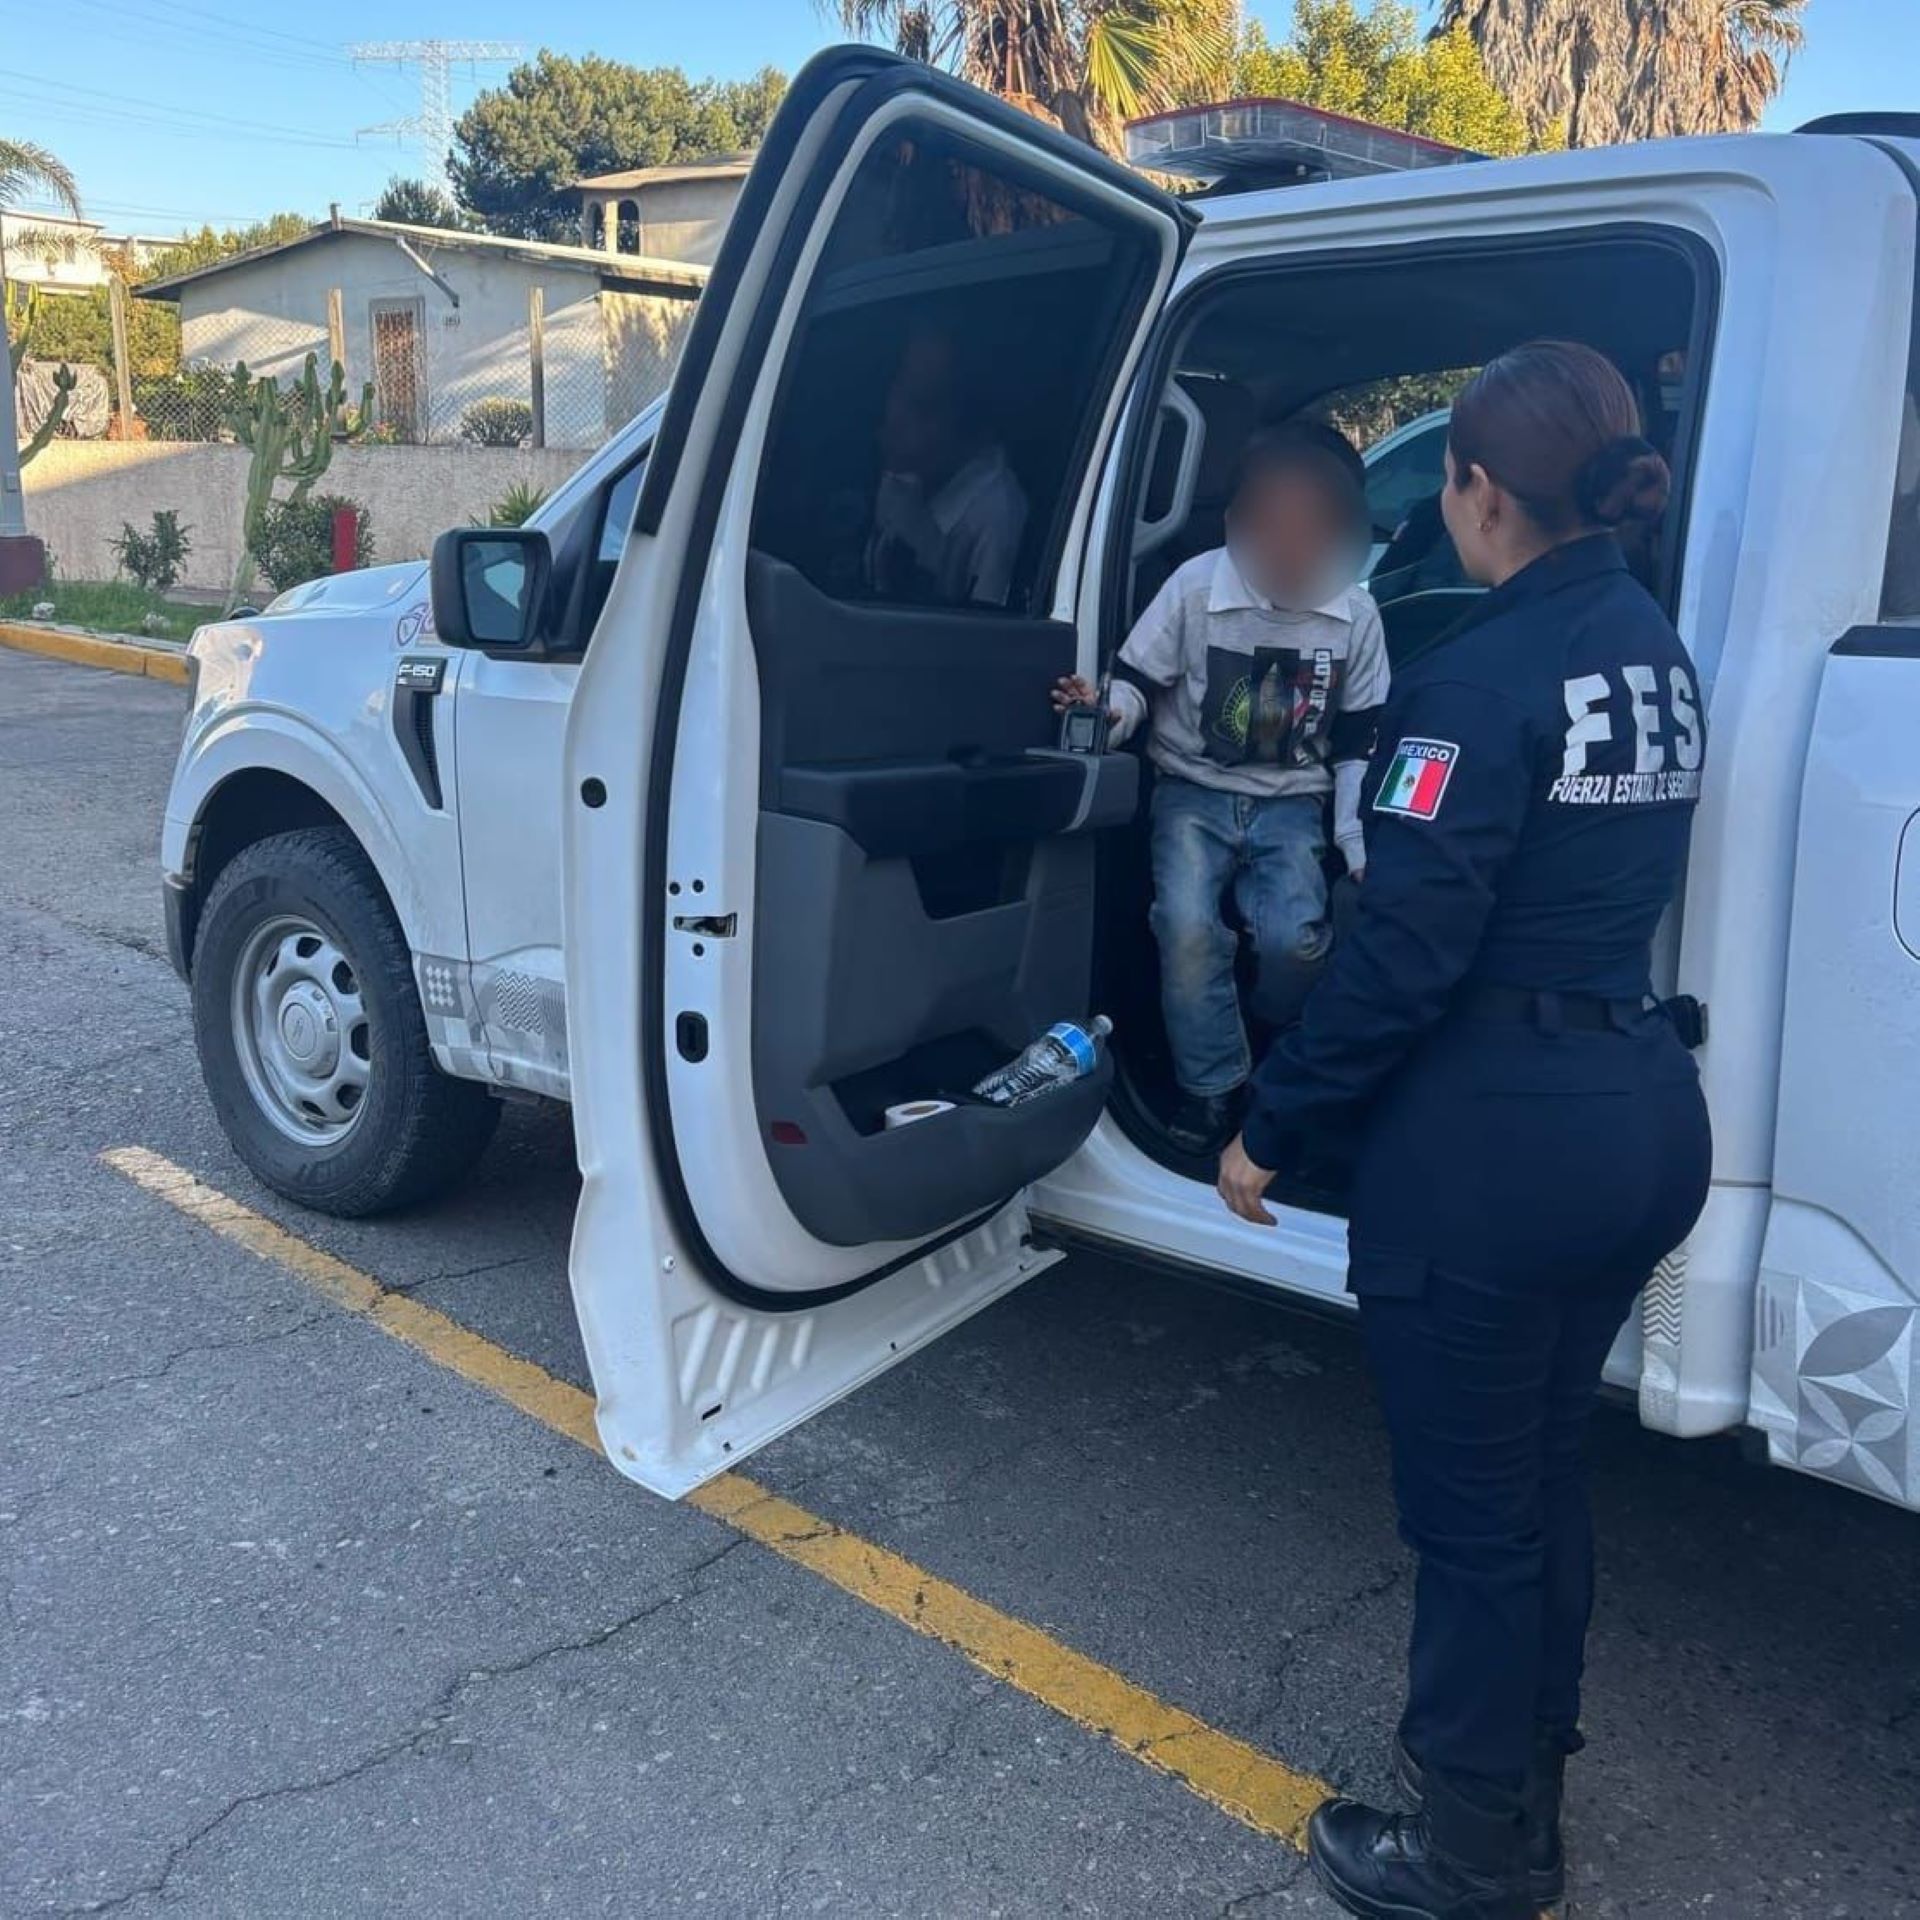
x,y
928,442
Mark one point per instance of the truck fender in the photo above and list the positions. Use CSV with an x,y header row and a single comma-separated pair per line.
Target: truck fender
x,y
256,740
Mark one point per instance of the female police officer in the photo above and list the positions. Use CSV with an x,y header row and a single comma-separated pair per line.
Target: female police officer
x,y
1528,1132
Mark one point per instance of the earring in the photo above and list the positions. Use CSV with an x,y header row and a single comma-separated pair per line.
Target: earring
x,y
1486,526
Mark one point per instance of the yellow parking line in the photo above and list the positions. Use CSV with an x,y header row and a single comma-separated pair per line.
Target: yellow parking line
x,y
1252,1786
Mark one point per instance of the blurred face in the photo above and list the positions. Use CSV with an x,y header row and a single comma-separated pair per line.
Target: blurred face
x,y
1291,537
1473,508
920,426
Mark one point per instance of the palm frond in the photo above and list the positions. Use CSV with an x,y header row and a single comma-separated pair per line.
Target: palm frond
x,y
25,166
1770,26
1122,48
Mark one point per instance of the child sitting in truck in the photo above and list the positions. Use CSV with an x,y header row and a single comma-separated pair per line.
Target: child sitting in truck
x,y
1260,666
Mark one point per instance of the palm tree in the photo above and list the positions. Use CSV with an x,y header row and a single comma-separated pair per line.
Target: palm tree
x,y
1757,39
1608,71
25,167
1086,65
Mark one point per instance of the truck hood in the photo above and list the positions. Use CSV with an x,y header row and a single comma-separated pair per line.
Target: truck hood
x,y
366,590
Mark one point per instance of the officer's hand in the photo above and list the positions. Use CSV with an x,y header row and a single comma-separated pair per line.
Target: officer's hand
x,y
1243,1185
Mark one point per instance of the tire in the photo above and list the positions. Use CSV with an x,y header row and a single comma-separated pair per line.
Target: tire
x,y
311,1039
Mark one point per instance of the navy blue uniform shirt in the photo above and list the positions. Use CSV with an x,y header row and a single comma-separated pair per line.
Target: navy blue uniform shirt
x,y
1527,811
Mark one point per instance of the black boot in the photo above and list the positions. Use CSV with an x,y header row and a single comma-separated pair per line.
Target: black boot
x,y
1203,1123
1463,1857
1546,1786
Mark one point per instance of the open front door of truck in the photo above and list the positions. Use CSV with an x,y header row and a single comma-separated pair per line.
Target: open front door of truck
x,y
821,860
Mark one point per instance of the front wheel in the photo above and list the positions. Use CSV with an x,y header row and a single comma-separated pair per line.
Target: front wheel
x,y
311,1038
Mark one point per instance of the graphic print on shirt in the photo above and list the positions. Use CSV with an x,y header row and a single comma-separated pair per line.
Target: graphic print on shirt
x,y
1634,738
1270,708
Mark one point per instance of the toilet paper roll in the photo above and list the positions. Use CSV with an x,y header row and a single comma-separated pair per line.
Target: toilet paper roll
x,y
908,1111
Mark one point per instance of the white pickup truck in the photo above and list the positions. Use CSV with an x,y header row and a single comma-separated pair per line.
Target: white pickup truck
x,y
662,807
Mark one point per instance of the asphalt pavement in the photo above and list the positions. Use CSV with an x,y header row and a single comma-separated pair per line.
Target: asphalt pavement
x,y
297,1622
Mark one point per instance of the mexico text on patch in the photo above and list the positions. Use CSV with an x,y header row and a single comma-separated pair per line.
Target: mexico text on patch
x,y
1417,777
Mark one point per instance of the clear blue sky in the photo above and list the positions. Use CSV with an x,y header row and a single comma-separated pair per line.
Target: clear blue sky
x,y
177,111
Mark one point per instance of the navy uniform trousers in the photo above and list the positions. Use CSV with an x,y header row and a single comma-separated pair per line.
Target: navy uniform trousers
x,y
1543,1172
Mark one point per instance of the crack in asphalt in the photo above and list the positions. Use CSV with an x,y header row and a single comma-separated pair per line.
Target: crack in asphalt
x,y
456,1273
1294,1640
1239,1905
166,1366
60,1079
980,1696
418,1740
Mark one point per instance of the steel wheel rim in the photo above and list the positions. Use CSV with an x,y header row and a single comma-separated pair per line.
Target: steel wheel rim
x,y
301,1031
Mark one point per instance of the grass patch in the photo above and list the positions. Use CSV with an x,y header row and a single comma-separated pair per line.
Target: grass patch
x,y
109,606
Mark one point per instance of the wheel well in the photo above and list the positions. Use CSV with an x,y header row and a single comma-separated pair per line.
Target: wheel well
x,y
244,808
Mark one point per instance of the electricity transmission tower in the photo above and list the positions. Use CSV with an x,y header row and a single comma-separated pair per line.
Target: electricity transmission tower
x,y
432,126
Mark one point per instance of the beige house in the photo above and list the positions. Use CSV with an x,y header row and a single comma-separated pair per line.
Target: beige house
x,y
673,213
59,254
440,321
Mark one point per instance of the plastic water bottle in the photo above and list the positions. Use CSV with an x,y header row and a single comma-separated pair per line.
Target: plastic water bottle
x,y
1064,1053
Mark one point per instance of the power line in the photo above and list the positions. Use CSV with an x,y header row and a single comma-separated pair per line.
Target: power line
x,y
433,124
123,108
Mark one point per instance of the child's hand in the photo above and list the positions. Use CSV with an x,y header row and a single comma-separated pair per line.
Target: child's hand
x,y
1074,690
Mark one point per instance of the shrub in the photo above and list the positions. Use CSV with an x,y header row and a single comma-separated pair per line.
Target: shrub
x,y
153,559
191,404
295,541
497,423
515,507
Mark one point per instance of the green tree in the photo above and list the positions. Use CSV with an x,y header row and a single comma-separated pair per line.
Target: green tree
x,y
417,203
202,249
1086,65
78,328
558,119
1376,66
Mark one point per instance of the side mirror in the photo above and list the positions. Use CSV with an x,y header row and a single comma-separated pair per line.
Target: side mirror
x,y
489,586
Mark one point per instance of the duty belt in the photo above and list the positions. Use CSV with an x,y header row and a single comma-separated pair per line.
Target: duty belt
x,y
1551,1012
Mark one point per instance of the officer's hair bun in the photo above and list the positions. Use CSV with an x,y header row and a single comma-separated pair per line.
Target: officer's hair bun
x,y
1625,480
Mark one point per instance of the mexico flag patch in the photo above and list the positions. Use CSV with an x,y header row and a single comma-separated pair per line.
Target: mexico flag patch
x,y
1417,778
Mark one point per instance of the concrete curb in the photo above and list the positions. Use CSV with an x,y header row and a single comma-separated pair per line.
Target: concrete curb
x,y
96,650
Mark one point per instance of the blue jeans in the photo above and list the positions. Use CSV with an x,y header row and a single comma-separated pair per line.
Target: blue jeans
x,y
1267,852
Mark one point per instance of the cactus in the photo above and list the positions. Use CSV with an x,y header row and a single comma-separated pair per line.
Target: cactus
x,y
289,433
21,314
64,382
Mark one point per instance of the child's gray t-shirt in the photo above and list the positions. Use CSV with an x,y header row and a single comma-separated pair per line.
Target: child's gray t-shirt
x,y
1245,694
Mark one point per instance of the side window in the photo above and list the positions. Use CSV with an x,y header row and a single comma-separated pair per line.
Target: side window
x,y
617,522
1900,593
926,445
1410,471
1399,425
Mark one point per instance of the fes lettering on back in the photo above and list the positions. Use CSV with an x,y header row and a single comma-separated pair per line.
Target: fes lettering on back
x,y
1416,780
